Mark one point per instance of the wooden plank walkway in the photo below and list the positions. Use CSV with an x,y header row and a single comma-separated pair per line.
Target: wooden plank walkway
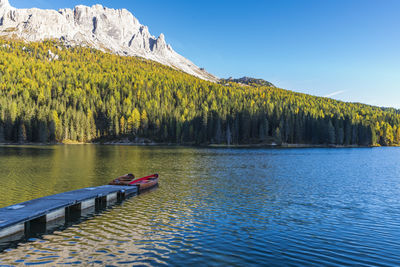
x,y
16,218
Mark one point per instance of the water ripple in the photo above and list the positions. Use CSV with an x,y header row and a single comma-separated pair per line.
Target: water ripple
x,y
217,207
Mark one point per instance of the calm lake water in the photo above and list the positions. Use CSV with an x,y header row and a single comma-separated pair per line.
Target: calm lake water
x,y
216,207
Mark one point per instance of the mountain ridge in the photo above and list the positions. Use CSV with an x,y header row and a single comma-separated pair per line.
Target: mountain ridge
x,y
250,81
110,30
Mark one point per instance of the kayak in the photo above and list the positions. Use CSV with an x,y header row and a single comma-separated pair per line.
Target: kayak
x,y
143,183
146,182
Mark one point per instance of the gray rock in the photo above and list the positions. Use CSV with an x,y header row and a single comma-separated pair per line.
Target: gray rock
x,y
106,29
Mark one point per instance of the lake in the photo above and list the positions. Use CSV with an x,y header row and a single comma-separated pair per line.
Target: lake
x,y
216,207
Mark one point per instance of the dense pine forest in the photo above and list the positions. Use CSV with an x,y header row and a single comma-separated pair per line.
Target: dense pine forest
x,y
51,93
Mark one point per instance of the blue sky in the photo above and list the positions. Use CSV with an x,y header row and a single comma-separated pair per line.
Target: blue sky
x,y
346,49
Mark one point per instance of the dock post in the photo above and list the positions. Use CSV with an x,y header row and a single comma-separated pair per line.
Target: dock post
x,y
73,212
101,203
121,196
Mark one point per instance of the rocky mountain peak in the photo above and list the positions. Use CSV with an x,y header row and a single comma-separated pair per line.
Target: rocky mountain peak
x,y
4,4
106,29
161,38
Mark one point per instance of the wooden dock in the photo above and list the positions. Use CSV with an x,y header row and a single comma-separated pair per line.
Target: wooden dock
x,y
20,218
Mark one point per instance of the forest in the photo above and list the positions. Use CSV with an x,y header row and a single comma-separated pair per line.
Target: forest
x,y
52,93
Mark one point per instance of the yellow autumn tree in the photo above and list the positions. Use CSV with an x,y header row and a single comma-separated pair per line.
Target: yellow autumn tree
x,y
134,121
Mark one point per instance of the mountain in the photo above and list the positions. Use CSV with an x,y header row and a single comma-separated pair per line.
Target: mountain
x,y
106,29
248,81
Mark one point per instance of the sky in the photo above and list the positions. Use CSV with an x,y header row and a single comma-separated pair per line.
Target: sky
x,y
343,49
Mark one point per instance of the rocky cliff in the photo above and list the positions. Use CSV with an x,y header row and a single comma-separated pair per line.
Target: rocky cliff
x,y
106,29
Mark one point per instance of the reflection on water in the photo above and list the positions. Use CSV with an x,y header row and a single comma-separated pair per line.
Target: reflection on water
x,y
216,206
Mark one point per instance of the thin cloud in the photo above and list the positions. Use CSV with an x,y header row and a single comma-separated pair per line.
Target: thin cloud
x,y
334,93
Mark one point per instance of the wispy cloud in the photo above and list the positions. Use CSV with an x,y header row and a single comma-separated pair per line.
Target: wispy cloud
x,y
335,93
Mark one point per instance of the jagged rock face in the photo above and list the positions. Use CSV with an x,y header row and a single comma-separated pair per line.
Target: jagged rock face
x,y
116,31
4,4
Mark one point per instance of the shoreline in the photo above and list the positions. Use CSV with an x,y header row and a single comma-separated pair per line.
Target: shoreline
x,y
154,144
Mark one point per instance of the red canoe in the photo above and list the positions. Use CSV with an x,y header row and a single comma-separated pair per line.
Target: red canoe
x,y
129,180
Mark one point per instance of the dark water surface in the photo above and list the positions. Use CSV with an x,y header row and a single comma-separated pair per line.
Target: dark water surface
x,y
216,207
